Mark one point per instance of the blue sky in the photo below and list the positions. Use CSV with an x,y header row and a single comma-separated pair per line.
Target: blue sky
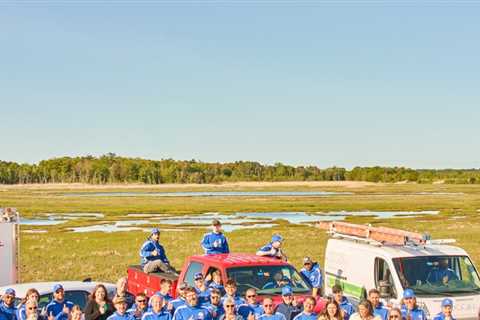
x,y
299,83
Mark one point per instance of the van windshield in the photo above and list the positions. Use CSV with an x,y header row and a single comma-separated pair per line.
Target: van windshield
x,y
267,279
438,275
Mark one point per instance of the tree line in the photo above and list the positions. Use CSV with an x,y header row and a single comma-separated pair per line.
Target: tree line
x,y
111,168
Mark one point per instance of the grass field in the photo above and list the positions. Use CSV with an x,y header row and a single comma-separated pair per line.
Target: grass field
x,y
60,254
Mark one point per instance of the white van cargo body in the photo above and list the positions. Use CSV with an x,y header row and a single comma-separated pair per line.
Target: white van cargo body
x,y
9,228
433,271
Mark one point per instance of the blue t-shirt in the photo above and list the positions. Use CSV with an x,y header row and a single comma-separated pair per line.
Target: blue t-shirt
x,y
187,312
267,248
118,316
7,313
415,314
245,309
215,243
381,311
203,296
163,315
276,316
314,276
304,316
441,316
347,307
216,311
56,309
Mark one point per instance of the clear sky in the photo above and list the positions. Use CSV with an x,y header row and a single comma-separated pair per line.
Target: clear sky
x,y
324,83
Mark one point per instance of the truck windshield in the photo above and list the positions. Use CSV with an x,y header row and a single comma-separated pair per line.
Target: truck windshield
x,y
438,275
267,280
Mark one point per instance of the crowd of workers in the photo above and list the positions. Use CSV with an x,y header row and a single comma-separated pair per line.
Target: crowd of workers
x,y
210,299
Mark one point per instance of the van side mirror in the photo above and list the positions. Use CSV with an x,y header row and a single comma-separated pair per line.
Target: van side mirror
x,y
385,288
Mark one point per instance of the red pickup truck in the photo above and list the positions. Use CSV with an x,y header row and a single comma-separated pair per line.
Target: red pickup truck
x,y
248,270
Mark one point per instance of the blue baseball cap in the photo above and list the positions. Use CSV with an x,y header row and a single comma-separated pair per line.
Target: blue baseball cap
x,y
447,302
408,293
155,231
10,291
277,238
57,287
287,291
198,276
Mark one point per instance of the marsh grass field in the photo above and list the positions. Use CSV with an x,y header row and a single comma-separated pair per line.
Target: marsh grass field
x,y
59,254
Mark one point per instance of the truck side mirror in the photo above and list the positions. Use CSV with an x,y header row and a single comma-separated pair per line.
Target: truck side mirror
x,y
385,288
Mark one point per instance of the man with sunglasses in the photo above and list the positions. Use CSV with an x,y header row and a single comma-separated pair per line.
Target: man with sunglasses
x,y
139,307
203,291
7,305
157,312
289,306
311,271
192,310
32,312
252,307
59,308
268,311
410,309
378,307
214,306
447,308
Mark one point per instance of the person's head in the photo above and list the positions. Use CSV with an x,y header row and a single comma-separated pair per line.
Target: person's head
x,y
99,293
198,278
215,296
182,287
287,295
332,310
216,226
32,294
122,285
251,296
337,293
191,296
309,304
409,299
395,314
120,304
8,297
31,307
155,234
157,303
365,309
443,263
447,307
231,287
165,286
141,301
374,297
58,293
229,306
308,263
277,241
268,306
76,312
278,277
217,276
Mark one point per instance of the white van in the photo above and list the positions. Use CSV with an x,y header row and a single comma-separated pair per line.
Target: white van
x,y
359,265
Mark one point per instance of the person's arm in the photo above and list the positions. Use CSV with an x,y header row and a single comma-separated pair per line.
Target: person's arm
x,y
163,255
146,250
91,311
264,251
227,249
206,245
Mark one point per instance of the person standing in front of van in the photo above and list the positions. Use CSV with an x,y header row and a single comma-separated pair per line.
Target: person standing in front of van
x,y
365,312
378,307
308,307
343,302
447,309
311,271
59,307
289,306
410,309
215,242
273,249
7,305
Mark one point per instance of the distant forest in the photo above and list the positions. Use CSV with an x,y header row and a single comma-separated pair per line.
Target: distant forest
x,y
111,168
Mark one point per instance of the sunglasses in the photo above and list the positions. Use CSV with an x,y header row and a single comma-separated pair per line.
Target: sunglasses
x,y
230,306
32,308
268,305
215,297
141,301
395,316
252,296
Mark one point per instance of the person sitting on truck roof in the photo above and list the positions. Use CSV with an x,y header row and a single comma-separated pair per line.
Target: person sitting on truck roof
x,y
203,291
252,306
289,307
332,311
139,307
365,311
231,311
313,274
344,304
121,313
231,292
99,306
192,310
447,308
153,255
7,305
378,308
181,300
121,291
215,242
214,306
216,281
441,273
32,294
59,307
268,309
273,249
157,312
410,309
308,307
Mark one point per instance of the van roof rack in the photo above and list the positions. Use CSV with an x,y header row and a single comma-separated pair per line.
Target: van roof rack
x,y
374,235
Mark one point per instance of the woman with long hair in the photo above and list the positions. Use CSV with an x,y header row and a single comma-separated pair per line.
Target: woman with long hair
x,y
395,314
365,312
331,311
31,295
99,306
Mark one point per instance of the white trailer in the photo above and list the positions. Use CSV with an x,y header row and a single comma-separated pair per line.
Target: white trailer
x,y
9,249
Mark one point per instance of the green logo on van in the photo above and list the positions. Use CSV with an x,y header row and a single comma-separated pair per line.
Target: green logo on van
x,y
348,288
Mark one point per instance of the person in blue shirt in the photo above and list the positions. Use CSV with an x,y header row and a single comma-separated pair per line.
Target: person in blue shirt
x,y
181,300
279,281
121,313
441,274
202,290
215,242
342,301
252,306
231,292
410,309
311,271
31,295
7,306
216,281
157,312
154,258
214,306
165,289
447,309
273,249
139,307
268,309
378,308
59,307
192,310
308,307
289,307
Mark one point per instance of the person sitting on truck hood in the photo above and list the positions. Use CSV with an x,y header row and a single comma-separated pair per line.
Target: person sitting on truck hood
x,y
202,290
442,273
410,310
343,302
121,291
447,308
139,307
216,281
252,306
59,307
181,300
312,272
153,255
121,313
231,292
378,308
7,306
157,312
214,306
192,310
273,249
32,294
215,242
289,306
308,307
268,311
365,312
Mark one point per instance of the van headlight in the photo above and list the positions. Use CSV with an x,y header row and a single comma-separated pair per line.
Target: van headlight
x,y
424,307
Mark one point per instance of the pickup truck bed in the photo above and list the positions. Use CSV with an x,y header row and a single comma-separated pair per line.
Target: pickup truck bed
x,y
139,281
